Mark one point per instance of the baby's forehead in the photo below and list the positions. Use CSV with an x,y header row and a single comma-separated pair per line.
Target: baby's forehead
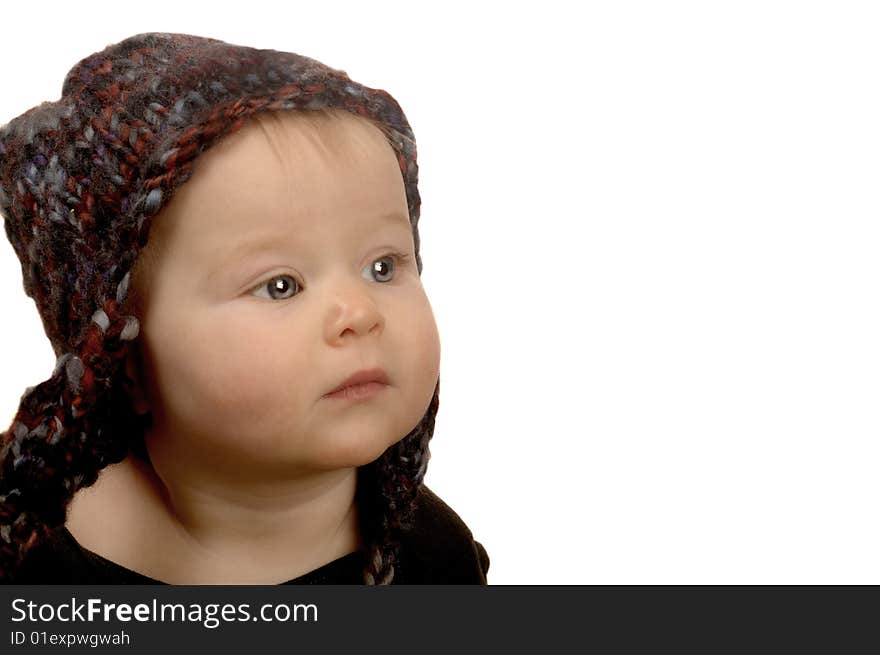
x,y
278,149
287,172
325,132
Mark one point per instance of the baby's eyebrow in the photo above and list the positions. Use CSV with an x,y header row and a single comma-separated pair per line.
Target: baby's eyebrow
x,y
263,241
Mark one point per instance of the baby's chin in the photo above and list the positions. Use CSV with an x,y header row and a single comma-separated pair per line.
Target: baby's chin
x,y
355,452
338,437
324,454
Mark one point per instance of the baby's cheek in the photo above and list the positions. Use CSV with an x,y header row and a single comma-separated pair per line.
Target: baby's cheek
x,y
246,405
251,382
428,343
422,361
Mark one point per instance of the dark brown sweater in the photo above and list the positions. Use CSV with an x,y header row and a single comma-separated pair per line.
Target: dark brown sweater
x,y
438,549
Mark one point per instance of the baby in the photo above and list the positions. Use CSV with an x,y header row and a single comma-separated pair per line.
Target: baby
x,y
247,399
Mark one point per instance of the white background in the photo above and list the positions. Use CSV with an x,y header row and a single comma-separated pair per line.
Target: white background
x,y
650,239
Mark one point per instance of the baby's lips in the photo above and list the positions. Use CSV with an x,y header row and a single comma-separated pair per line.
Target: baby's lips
x,y
375,374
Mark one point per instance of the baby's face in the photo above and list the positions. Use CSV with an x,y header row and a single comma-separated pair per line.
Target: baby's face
x,y
274,280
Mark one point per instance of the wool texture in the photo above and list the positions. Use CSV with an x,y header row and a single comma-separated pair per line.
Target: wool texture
x,y
80,179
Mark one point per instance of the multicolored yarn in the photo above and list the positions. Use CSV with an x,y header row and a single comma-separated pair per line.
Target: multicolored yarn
x,y
80,179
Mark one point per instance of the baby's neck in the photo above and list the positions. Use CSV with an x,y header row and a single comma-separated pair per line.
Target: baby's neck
x,y
126,518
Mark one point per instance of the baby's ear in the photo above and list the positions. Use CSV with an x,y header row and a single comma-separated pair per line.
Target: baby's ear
x,y
135,385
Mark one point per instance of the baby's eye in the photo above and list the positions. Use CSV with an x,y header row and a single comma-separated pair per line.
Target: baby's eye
x,y
380,268
397,259
280,284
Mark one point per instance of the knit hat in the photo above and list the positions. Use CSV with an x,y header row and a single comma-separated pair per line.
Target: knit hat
x,y
80,180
